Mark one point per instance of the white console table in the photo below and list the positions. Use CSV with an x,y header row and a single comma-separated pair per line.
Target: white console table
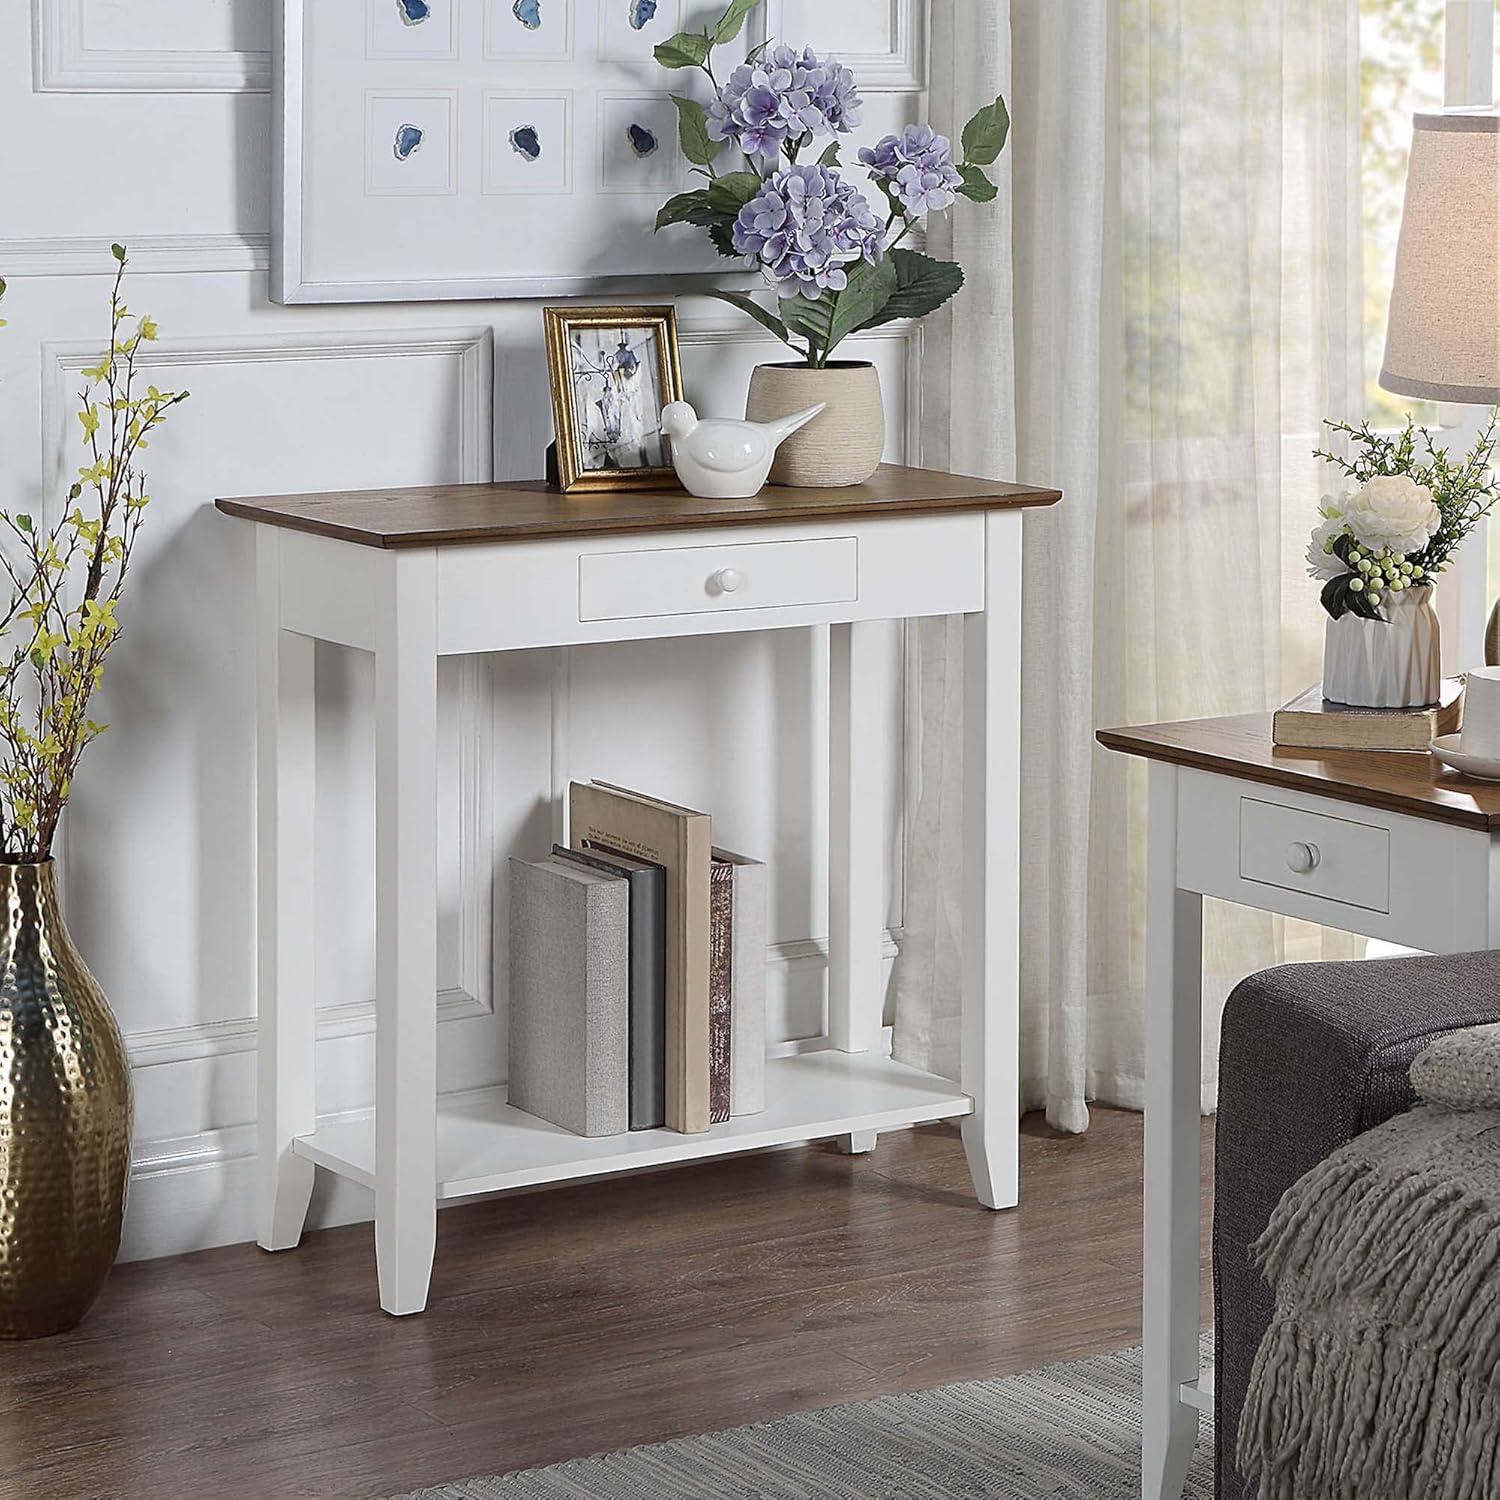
x,y
1385,844
413,575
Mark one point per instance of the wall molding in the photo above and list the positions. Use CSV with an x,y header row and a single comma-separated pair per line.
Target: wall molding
x,y
899,69
150,255
902,69
473,350
65,64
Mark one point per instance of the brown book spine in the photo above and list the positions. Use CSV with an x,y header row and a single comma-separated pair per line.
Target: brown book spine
x,y
720,989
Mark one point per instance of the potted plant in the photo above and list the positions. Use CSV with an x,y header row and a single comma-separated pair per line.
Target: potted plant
x,y
1379,549
837,265
65,1096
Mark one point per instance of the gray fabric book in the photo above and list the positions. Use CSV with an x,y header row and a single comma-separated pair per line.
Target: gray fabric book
x,y
569,996
648,976
747,1066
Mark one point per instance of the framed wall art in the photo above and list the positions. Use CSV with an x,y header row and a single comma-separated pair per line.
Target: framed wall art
x,y
612,371
478,148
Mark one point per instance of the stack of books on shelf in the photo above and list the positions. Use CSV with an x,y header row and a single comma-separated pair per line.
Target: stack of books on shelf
x,y
637,972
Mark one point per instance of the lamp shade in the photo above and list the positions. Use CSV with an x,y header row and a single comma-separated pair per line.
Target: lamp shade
x,y
1442,341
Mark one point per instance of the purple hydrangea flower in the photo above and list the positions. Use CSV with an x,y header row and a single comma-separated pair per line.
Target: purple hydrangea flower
x,y
783,96
918,166
805,227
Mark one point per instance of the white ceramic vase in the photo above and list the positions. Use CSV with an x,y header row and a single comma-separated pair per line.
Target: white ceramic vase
x,y
842,446
1370,664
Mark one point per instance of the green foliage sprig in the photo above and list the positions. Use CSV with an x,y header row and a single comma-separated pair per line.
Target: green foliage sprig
x,y
66,581
1464,490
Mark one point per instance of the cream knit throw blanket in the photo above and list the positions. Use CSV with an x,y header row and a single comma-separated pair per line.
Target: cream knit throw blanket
x,y
1380,1373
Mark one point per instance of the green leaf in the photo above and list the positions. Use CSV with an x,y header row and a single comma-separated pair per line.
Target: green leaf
x,y
118,251
688,49
686,208
764,316
830,158
692,131
23,523
922,286
808,317
984,135
732,22
723,241
977,186
832,318
728,194
871,286
754,54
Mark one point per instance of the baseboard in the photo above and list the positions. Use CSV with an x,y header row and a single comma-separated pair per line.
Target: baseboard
x,y
198,1192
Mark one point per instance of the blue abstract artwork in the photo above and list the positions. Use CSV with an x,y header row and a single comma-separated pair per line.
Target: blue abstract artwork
x,y
642,141
524,141
413,12
528,13
642,13
408,140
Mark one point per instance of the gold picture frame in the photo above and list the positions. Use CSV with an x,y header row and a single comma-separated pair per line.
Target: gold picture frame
x,y
612,370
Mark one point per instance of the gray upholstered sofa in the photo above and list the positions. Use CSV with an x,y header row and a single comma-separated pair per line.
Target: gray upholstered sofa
x,y
1310,1056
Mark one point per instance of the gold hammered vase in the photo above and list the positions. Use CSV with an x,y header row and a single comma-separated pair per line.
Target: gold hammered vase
x,y
65,1115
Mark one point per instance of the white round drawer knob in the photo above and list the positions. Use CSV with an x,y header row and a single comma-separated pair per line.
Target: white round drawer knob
x,y
727,581
1301,858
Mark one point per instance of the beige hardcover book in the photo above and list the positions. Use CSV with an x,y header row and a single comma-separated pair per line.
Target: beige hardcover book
x,y
1311,722
679,840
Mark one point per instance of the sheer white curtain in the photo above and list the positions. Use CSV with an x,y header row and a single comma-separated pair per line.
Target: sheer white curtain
x,y
1156,327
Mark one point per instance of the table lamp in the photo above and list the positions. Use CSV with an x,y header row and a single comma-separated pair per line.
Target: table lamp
x,y
1442,340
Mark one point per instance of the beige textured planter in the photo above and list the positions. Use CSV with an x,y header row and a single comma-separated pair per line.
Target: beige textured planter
x,y
842,446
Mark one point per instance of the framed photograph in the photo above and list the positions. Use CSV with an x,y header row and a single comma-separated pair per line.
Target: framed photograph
x,y
612,370
431,149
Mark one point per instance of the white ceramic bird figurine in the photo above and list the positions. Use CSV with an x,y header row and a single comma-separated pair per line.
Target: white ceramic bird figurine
x,y
721,459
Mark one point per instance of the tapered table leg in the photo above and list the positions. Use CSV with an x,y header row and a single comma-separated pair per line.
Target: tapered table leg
x,y
285,1023
1174,1041
991,869
406,933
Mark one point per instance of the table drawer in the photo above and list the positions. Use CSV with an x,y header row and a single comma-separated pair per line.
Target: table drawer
x,y
713,580
1335,858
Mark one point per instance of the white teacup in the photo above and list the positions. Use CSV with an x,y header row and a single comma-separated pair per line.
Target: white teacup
x,y
1481,731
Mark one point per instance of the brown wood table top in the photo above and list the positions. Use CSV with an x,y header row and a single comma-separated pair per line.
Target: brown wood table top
x,y
1405,781
527,510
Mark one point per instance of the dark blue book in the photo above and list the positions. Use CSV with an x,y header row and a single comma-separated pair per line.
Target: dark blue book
x,y
647,976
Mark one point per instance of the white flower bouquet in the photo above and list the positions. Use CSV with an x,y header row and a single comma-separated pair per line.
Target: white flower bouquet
x,y
1397,528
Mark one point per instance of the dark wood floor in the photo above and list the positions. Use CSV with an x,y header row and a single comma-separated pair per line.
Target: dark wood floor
x,y
589,1318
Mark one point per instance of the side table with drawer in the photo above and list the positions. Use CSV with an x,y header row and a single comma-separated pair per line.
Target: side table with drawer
x,y
414,575
1387,844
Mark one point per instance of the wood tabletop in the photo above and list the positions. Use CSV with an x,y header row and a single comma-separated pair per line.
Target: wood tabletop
x,y
1403,781
527,510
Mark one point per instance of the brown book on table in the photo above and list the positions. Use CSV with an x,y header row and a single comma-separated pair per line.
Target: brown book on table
x,y
679,840
1312,722
720,990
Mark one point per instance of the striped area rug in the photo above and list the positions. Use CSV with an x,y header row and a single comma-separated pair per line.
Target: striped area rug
x,y
1068,1432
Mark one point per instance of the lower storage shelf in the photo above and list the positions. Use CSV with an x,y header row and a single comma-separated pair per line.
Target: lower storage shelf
x,y
485,1146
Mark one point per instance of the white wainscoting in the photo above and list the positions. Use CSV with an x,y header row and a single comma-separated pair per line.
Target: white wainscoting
x,y
157,852
165,46
884,42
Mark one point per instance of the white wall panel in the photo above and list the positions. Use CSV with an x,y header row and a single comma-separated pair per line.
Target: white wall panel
x,y
883,41
121,46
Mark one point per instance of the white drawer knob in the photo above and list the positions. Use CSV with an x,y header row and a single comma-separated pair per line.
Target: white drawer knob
x,y
1301,858
726,581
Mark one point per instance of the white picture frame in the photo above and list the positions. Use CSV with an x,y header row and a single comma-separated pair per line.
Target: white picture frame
x,y
467,154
